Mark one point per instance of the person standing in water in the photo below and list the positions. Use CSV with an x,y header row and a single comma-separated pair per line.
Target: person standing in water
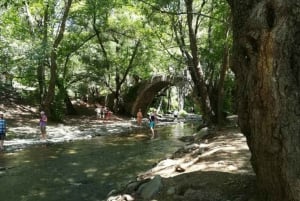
x,y
153,120
139,117
43,124
2,131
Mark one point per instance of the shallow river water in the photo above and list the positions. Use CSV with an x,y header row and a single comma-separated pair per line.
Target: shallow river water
x,y
85,170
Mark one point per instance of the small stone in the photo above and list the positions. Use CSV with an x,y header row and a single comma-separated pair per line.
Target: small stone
x,y
171,190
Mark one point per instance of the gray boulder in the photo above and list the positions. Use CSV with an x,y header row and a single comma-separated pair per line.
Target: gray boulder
x,y
149,189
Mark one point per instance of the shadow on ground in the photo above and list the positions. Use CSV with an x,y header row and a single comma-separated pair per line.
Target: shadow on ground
x,y
208,186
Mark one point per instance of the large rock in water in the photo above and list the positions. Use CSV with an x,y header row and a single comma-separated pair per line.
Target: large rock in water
x,y
149,189
202,133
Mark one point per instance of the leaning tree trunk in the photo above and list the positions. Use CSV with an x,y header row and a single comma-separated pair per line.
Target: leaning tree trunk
x,y
195,68
70,110
221,83
267,66
53,61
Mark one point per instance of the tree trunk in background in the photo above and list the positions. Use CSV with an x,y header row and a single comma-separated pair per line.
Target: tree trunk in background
x,y
267,66
53,63
41,80
43,61
70,110
220,97
195,68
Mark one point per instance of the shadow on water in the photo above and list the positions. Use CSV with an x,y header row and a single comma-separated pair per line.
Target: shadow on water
x,y
83,170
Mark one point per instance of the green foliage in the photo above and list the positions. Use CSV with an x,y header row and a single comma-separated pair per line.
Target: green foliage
x,y
83,89
58,108
29,97
106,42
182,113
230,87
131,92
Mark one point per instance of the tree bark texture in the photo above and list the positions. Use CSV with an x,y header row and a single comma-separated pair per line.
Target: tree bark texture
x,y
53,57
195,67
267,65
220,97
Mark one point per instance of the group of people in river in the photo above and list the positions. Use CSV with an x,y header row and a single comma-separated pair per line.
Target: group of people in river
x,y
102,113
3,128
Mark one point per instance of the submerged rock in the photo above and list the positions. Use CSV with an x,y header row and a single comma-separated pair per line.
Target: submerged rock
x,y
151,188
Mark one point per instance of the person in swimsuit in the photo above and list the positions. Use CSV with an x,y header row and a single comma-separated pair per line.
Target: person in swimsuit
x,y
43,124
153,120
139,117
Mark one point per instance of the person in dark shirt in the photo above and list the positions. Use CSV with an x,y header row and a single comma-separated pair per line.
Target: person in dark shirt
x,y
2,131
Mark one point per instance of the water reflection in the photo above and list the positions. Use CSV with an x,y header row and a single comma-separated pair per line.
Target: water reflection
x,y
83,170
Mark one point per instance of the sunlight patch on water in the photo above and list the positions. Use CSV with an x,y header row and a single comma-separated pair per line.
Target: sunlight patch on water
x,y
72,151
75,164
151,160
58,180
91,170
71,180
106,174
53,157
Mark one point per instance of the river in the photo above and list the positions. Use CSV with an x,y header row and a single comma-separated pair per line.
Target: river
x,y
85,170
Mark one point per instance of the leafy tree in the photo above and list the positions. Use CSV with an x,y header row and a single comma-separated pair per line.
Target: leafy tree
x,y
206,61
31,24
122,49
110,45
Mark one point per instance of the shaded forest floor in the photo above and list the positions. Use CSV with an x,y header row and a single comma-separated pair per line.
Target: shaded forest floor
x,y
222,172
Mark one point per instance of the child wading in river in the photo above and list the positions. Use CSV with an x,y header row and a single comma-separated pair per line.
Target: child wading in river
x,y
43,124
139,117
153,120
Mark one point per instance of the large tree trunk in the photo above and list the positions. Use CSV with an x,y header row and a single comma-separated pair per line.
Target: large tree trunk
x,y
267,66
53,60
195,68
70,110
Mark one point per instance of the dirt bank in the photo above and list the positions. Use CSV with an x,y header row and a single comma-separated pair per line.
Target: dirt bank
x,y
221,171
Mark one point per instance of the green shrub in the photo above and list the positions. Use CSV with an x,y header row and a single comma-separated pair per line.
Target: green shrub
x,y
57,108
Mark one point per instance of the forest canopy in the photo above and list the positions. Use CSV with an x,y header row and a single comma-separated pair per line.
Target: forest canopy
x,y
72,49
